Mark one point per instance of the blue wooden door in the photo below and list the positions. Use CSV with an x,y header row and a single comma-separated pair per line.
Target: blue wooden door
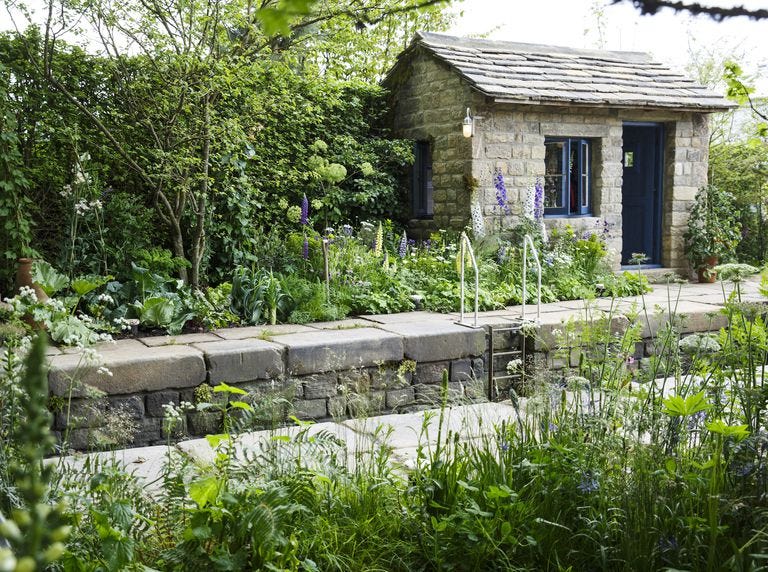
x,y
641,191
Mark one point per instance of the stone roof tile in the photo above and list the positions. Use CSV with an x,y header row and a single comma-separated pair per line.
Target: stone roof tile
x,y
508,71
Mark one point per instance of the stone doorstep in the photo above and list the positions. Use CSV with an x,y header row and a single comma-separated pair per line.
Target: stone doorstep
x,y
337,350
134,370
234,361
440,340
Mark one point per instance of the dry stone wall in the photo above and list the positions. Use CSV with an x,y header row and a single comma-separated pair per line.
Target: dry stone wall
x,y
310,373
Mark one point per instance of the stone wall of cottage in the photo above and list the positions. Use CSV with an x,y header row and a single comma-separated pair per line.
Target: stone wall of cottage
x,y
429,103
510,138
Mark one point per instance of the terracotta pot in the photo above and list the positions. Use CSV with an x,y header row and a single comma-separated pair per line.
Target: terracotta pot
x,y
24,278
705,272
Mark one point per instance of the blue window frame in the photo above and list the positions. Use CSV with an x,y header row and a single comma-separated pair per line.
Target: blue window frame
x,y
568,176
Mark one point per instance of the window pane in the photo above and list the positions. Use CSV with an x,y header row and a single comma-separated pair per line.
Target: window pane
x,y
553,192
554,160
573,179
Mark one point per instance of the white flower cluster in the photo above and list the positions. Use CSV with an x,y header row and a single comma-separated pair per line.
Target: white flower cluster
x,y
175,413
66,191
105,299
28,294
55,305
82,206
514,366
104,371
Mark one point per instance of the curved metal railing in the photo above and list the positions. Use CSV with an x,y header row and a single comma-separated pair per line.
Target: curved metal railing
x,y
465,247
528,241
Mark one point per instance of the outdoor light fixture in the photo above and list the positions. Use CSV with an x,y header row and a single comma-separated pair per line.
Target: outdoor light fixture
x,y
468,125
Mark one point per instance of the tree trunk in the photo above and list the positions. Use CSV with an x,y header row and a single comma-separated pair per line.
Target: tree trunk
x,y
201,204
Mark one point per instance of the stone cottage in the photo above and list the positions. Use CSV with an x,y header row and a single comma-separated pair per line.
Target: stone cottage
x,y
612,136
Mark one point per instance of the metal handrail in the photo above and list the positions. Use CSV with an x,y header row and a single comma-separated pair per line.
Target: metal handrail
x,y
527,240
465,246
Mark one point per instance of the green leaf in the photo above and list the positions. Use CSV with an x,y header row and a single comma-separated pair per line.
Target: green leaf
x,y
719,426
84,284
48,278
676,406
204,491
156,311
223,387
240,405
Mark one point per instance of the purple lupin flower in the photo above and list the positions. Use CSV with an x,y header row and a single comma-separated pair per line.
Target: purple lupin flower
x,y
501,190
305,249
538,200
403,248
304,210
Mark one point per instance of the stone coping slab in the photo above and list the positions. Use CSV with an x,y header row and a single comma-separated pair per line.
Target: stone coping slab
x,y
233,361
406,317
183,339
263,332
133,371
438,340
335,350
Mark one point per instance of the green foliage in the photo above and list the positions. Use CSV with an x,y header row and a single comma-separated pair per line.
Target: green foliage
x,y
742,169
36,530
713,230
15,205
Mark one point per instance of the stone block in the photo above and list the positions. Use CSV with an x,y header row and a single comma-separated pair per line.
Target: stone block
x,y
82,413
336,350
388,377
204,422
430,372
133,405
232,361
356,380
156,400
438,340
150,430
310,408
364,404
461,370
431,394
400,397
478,367
337,406
319,386
135,369
184,339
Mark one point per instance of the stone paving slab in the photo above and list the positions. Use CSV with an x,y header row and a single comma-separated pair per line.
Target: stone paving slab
x,y
345,324
233,361
319,351
405,317
203,454
106,347
155,341
146,463
438,340
403,431
145,369
263,332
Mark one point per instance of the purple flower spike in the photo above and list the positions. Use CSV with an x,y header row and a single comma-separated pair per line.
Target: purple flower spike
x,y
538,200
402,249
304,210
501,190
305,249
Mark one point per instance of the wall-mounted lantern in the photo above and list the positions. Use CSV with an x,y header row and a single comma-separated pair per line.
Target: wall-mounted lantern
x,y
468,126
